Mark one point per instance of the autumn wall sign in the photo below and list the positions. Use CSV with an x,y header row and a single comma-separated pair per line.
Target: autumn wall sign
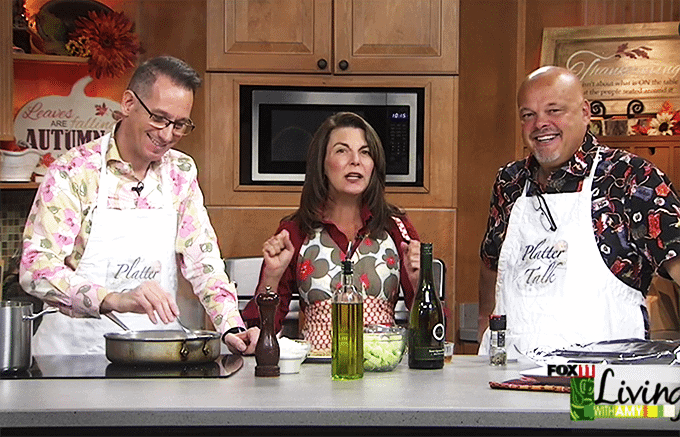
x,y
620,63
55,124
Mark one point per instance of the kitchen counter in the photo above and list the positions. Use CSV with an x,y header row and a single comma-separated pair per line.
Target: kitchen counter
x,y
456,396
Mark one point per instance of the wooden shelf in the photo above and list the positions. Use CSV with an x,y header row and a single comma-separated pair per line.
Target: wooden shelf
x,y
49,58
638,139
18,185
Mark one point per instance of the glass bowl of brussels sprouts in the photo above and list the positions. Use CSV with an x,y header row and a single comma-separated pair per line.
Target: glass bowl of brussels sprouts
x,y
384,347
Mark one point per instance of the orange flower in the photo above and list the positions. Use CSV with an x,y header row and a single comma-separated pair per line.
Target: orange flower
x,y
113,46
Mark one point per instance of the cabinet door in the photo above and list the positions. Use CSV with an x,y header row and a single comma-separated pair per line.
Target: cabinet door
x,y
396,36
269,35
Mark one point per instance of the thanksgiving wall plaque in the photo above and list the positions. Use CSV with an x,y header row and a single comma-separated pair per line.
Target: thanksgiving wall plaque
x,y
620,63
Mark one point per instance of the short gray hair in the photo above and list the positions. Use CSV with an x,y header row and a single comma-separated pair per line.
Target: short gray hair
x,y
178,71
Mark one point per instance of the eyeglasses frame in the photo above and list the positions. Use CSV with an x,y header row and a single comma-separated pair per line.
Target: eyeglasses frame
x,y
167,120
543,207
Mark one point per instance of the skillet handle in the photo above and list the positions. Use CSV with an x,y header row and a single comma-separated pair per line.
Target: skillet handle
x,y
206,348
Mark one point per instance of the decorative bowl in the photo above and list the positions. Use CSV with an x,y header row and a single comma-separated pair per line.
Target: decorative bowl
x,y
291,354
384,347
18,166
56,20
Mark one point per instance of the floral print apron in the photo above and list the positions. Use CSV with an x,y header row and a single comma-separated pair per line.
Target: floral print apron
x,y
122,245
376,275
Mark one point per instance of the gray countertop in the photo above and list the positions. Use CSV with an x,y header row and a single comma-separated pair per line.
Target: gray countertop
x,y
456,396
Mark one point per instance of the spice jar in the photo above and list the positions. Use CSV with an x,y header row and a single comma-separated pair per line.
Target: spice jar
x,y
497,354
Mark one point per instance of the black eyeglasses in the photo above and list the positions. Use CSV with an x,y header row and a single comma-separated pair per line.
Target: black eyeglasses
x,y
182,127
545,212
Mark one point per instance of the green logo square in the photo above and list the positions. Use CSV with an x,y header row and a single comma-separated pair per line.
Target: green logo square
x,y
582,399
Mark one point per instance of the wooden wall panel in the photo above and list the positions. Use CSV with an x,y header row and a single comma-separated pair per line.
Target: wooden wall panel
x,y
241,231
487,124
438,226
178,28
629,11
568,13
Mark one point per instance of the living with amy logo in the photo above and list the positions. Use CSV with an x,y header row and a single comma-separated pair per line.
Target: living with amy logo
x,y
601,391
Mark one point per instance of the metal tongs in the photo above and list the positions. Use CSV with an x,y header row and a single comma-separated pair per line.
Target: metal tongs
x,y
191,335
114,318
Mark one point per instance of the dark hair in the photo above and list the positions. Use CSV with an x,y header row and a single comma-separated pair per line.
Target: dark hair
x,y
178,71
315,188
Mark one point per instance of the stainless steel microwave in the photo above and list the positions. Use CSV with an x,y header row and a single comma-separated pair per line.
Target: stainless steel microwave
x,y
277,124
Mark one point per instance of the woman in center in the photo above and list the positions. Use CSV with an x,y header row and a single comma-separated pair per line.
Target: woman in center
x,y
343,214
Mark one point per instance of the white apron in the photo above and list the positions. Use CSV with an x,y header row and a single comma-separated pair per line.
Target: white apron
x,y
125,248
554,287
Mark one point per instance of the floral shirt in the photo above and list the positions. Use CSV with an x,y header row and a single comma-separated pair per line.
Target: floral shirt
x,y
60,221
635,209
308,272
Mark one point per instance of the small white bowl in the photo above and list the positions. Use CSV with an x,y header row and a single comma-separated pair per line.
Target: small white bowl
x,y
290,365
292,354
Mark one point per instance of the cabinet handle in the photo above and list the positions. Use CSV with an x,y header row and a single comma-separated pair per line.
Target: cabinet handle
x,y
322,64
344,65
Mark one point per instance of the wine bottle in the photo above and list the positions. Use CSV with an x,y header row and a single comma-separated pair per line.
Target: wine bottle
x,y
426,321
347,336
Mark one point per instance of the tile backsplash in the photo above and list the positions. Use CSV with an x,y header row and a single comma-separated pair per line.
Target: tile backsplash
x,y
14,208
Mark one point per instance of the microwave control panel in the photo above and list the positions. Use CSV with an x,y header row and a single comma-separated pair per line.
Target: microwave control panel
x,y
397,149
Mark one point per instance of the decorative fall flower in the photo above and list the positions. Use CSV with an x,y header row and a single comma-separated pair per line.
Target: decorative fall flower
x,y
112,45
666,122
661,124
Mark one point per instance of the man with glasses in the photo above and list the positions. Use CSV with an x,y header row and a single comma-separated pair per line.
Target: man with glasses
x,y
576,230
115,217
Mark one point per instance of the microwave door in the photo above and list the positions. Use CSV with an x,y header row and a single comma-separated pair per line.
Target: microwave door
x,y
283,122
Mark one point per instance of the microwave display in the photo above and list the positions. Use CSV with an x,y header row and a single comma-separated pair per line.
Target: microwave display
x,y
278,123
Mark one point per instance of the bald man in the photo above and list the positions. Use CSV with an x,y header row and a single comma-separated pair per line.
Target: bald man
x,y
575,231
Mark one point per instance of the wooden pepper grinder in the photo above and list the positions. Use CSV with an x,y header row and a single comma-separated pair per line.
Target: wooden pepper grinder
x,y
267,348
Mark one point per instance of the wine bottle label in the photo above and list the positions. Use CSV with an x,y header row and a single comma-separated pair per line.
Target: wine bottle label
x,y
438,332
427,353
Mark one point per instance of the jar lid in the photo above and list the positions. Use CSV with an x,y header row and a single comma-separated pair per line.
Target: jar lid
x,y
496,322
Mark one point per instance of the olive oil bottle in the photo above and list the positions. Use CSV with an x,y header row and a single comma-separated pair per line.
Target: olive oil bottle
x,y
347,336
426,321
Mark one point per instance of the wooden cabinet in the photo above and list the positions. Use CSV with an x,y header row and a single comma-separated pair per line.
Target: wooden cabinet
x,y
333,36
